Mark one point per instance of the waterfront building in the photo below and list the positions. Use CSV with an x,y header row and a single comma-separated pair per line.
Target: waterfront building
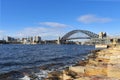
x,y
37,39
10,39
31,40
24,40
2,41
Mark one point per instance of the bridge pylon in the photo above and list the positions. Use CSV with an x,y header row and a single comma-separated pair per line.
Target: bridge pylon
x,y
59,40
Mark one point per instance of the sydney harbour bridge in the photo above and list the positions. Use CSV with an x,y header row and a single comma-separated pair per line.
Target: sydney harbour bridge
x,y
88,33
92,37
74,36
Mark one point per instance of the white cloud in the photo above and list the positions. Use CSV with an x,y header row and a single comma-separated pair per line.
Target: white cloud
x,y
93,19
52,32
45,33
47,30
54,24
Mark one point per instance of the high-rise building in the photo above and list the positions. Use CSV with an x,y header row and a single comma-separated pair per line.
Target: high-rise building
x,y
37,39
10,39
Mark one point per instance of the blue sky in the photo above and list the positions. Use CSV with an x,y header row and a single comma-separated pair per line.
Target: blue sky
x,y
53,18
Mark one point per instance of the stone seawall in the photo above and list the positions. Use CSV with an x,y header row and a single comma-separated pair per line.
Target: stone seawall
x,y
99,65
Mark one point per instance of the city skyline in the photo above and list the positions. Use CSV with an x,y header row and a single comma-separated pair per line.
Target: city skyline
x,y
53,18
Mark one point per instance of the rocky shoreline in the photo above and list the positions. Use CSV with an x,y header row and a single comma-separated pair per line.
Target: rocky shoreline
x,y
99,65
34,73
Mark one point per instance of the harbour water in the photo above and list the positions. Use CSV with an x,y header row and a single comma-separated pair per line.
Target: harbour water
x,y
17,57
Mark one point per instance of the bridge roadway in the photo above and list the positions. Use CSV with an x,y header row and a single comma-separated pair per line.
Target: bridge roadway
x,y
77,38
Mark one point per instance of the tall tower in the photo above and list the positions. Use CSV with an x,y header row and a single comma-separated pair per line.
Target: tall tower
x,y
102,35
37,39
59,41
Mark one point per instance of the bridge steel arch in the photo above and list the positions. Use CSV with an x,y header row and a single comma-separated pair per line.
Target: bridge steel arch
x,y
88,33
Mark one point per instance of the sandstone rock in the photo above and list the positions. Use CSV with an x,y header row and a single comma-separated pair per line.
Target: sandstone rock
x,y
92,62
77,69
113,70
101,65
72,74
54,75
95,70
66,77
82,63
83,78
